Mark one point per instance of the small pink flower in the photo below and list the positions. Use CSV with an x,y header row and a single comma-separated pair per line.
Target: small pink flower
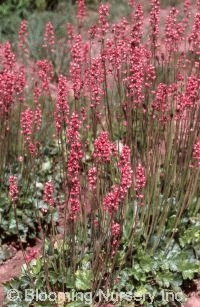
x,y
20,159
33,253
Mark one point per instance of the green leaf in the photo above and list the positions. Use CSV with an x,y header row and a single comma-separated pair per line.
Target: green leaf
x,y
83,279
188,274
36,268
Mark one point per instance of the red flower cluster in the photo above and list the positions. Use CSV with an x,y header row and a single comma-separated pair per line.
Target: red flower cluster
x,y
29,119
196,153
103,148
81,9
126,171
112,199
115,231
44,71
194,38
62,107
23,36
33,253
49,37
13,188
154,22
173,31
103,20
73,166
92,178
48,193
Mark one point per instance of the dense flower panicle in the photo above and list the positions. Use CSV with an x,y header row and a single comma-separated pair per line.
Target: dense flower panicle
x,y
74,204
70,31
37,91
92,178
73,163
33,148
44,71
74,193
23,34
62,106
38,117
94,77
125,171
112,54
103,20
48,193
76,78
79,52
73,129
12,79
77,49
125,156
7,89
115,231
83,114
49,37
154,22
27,120
186,6
92,31
187,11
173,31
192,89
120,30
13,189
75,155
73,166
102,148
135,82
81,9
194,38
196,153
111,200
140,180
188,99
20,81
160,102
137,27
8,57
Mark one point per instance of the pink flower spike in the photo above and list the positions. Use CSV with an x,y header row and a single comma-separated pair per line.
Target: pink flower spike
x,y
13,189
48,193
